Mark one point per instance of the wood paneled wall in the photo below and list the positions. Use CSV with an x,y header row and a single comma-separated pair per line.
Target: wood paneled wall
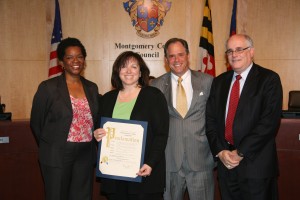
x,y
26,27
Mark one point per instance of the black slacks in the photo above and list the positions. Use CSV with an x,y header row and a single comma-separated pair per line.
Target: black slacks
x,y
74,180
235,188
123,194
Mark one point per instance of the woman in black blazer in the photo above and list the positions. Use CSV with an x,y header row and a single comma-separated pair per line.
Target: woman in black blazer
x,y
63,115
130,79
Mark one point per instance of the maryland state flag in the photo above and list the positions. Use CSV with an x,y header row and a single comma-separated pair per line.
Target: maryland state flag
x,y
207,57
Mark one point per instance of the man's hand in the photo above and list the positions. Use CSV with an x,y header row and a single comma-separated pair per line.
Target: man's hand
x,y
230,159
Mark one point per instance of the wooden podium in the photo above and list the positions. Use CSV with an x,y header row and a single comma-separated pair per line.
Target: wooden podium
x,y
20,176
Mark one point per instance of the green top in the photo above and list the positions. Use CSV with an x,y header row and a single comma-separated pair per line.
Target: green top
x,y
122,110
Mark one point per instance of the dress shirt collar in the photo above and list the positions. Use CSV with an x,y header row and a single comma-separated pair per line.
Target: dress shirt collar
x,y
244,74
184,76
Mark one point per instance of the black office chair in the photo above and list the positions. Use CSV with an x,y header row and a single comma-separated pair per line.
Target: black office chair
x,y
294,101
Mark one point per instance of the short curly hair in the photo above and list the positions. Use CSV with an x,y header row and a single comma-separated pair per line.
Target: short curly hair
x,y
69,42
121,61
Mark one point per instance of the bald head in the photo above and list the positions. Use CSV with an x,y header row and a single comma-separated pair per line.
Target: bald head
x,y
240,52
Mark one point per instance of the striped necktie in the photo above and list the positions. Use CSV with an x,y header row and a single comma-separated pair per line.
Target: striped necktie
x,y
233,103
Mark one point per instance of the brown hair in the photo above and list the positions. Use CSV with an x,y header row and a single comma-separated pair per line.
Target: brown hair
x,y
121,61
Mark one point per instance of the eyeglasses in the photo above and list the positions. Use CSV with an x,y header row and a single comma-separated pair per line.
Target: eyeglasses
x,y
238,51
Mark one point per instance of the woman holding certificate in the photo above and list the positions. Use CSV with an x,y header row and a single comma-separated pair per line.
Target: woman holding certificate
x,y
134,99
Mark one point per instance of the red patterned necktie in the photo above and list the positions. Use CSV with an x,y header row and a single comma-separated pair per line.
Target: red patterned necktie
x,y
233,103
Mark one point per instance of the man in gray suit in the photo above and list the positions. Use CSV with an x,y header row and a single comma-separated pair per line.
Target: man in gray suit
x,y
189,160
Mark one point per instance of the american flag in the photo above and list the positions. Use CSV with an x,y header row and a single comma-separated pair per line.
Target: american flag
x,y
232,25
207,43
54,68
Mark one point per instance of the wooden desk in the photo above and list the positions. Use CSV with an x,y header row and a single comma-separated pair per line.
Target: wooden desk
x,y
19,168
20,176
288,148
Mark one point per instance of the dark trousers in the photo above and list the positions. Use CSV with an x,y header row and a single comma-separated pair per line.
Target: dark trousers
x,y
74,180
122,194
154,196
235,188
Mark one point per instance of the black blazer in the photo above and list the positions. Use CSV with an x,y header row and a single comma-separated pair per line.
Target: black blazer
x,y
150,106
52,114
255,125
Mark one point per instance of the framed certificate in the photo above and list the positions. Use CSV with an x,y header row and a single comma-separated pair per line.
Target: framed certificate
x,y
121,151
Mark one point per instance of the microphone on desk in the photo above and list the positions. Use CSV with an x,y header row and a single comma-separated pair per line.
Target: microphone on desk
x,y
2,108
3,115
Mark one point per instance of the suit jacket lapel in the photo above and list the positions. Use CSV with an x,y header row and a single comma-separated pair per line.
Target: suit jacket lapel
x,y
64,92
168,90
249,85
224,94
167,84
196,85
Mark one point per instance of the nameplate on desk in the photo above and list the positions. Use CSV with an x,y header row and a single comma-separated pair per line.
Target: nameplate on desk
x,y
4,140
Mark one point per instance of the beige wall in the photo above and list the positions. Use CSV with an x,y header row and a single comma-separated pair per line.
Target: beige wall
x,y
100,24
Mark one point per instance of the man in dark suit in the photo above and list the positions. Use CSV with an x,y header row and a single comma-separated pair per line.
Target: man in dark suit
x,y
247,163
189,160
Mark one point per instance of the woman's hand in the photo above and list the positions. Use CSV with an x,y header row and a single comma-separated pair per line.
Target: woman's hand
x,y
99,134
145,171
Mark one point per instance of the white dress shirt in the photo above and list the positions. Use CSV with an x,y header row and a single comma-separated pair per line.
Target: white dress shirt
x,y
244,75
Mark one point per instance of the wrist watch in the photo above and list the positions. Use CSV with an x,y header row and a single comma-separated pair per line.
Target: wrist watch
x,y
240,154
